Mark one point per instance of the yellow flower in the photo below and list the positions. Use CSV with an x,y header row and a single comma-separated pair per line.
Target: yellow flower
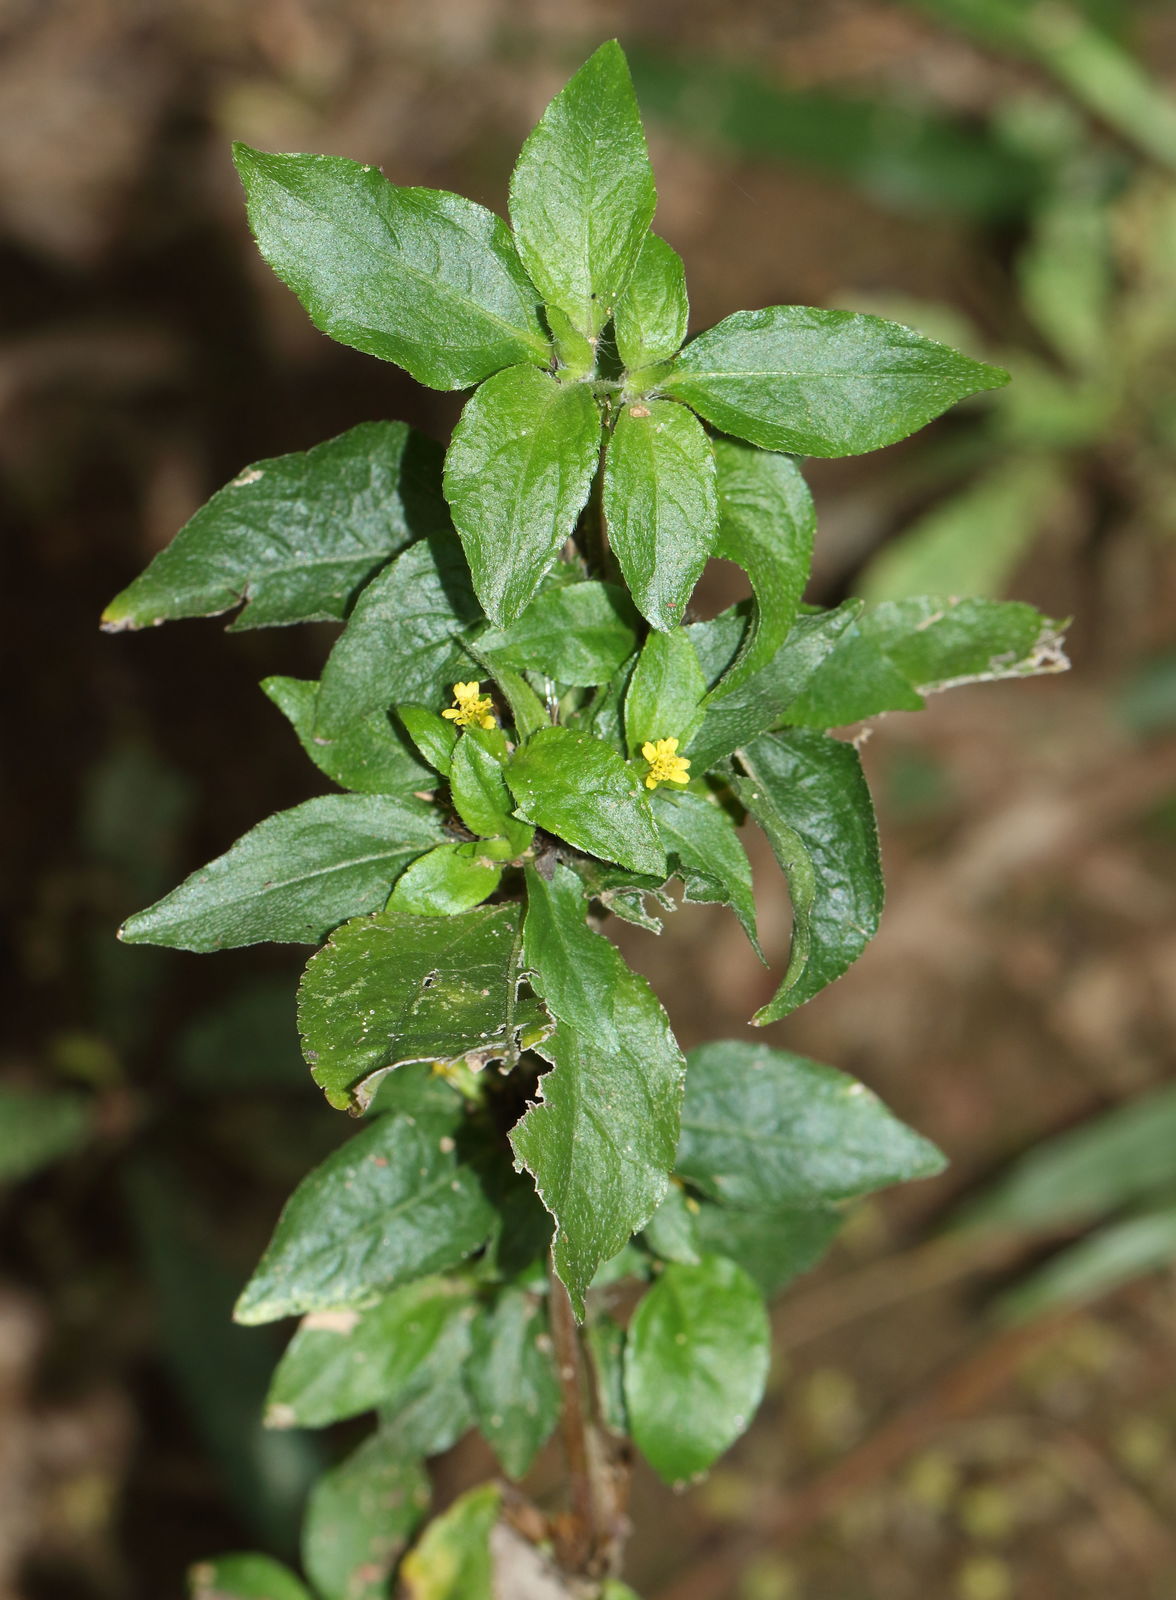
x,y
665,766
470,706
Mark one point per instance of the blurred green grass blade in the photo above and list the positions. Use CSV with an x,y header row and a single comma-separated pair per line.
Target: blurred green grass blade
x,y
221,1371
1087,1172
903,156
38,1129
1095,1265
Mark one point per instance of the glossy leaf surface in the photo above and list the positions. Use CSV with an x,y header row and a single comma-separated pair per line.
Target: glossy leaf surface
x,y
393,1204
822,383
294,877
809,795
445,881
661,505
696,1361
517,474
705,850
368,756
651,315
582,195
426,279
296,537
511,1375
398,987
576,787
600,1142
577,633
765,1130
666,691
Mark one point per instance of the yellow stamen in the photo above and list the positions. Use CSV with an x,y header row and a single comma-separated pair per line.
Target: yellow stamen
x,y
665,765
470,707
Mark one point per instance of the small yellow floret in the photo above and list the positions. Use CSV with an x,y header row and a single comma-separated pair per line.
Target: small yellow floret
x,y
470,706
665,765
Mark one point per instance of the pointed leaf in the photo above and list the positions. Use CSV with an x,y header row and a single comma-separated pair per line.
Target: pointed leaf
x,y
426,279
765,1130
445,881
244,1577
294,877
401,641
295,537
696,1361
666,692
582,196
432,735
369,755
766,526
342,1362
600,1142
901,650
453,1559
651,315
580,790
821,383
393,1204
705,850
809,795
517,475
481,797
733,716
395,988
359,1518
578,634
661,505
512,1377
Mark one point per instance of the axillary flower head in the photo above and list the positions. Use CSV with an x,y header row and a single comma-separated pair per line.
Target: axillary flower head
x,y
470,708
665,765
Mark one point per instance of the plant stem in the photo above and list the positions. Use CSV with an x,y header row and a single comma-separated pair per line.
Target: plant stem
x,y
583,1534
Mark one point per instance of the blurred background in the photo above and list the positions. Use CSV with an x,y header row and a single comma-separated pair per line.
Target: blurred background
x,y
975,1397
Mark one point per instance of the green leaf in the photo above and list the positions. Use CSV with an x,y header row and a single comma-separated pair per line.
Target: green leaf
x,y
661,505
773,1247
359,1519
445,881
577,788
651,316
606,1346
718,640
821,383
38,1129
343,1362
393,1204
453,1559
295,537
582,195
397,987
482,799
614,1589
600,1142
294,877
766,526
1082,1174
512,1377
527,710
426,279
971,543
901,650
696,1362
401,641
765,1130
671,1233
1067,277
432,735
244,1577
809,795
369,755
517,475
736,715
578,634
666,691
439,1410
704,848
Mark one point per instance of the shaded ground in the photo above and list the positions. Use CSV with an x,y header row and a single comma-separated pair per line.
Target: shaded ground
x,y
1024,976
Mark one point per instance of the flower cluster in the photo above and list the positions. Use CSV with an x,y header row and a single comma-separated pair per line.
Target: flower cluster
x,y
665,765
470,707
